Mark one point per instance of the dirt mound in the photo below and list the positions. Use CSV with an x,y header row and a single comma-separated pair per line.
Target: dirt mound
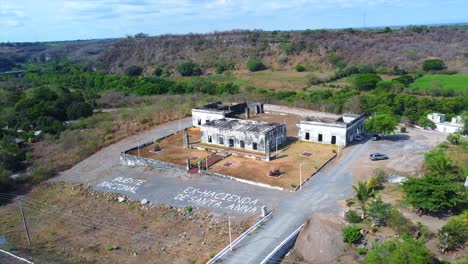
x,y
320,240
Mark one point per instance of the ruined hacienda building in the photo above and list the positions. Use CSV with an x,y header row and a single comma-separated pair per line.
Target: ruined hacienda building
x,y
218,110
220,125
340,131
243,134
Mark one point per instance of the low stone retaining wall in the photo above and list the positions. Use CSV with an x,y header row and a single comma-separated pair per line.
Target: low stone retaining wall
x,y
264,185
223,252
282,249
130,160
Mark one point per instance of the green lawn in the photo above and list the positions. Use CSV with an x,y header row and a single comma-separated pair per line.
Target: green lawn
x,y
441,84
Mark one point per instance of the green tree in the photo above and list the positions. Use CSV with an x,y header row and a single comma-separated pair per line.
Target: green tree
x,y
437,163
254,65
434,194
352,234
387,30
399,250
379,212
79,109
11,155
133,71
382,123
189,68
426,123
464,117
433,65
454,234
365,81
363,194
300,68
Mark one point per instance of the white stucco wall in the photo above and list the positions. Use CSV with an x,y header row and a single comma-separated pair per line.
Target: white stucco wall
x,y
204,115
447,127
344,134
327,132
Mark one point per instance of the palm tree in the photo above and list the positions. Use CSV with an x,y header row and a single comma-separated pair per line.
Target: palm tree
x,y
363,194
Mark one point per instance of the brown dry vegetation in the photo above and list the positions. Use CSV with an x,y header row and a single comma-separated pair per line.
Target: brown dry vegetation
x,y
405,48
86,136
71,224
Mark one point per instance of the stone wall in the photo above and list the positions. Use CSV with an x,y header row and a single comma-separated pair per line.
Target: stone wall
x,y
130,160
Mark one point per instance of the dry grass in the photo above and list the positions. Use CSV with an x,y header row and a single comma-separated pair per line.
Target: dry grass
x,y
288,162
173,150
70,224
88,135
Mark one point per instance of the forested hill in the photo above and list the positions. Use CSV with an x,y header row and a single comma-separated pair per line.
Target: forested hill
x,y
323,49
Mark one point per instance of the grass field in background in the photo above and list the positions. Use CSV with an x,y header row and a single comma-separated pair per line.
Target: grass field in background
x,y
441,84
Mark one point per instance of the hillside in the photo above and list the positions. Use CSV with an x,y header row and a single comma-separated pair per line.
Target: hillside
x,y
318,49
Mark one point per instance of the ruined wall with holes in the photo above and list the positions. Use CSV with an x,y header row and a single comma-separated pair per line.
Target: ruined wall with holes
x,y
262,142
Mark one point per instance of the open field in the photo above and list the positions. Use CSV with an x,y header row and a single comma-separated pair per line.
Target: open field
x,y
441,84
288,163
70,224
173,150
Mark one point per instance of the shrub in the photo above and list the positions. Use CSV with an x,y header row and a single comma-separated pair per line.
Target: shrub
x,y
377,181
361,251
352,217
397,250
300,68
454,138
4,179
399,223
403,129
41,173
189,69
454,234
188,209
134,71
158,72
365,81
254,65
352,234
433,65
379,212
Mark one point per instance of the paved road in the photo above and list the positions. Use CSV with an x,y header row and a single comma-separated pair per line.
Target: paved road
x,y
323,192
320,194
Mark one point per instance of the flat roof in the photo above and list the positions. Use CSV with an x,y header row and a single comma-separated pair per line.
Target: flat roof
x,y
241,125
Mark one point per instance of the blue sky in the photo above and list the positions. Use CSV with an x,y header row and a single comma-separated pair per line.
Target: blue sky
x,y
39,20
